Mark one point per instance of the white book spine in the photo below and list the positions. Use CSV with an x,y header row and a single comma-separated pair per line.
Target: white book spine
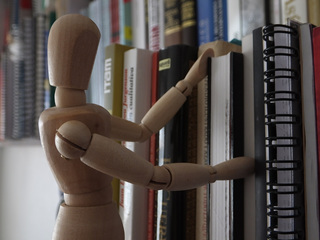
x,y
133,207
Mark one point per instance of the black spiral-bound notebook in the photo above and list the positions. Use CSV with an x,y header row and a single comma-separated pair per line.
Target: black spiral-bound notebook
x,y
283,129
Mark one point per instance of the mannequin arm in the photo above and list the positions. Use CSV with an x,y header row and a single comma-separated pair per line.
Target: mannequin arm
x,y
74,140
165,108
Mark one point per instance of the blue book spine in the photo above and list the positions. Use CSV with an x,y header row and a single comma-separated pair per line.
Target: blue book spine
x,y
224,19
205,21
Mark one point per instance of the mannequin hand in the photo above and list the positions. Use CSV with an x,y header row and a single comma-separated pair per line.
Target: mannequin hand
x,y
72,139
197,72
239,167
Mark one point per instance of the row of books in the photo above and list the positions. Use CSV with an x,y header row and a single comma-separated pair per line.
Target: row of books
x,y
23,75
135,23
268,91
142,76
133,74
155,24
207,225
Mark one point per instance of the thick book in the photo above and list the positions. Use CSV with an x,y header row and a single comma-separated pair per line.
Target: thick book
x,y
174,63
283,132
133,202
226,142
220,48
113,88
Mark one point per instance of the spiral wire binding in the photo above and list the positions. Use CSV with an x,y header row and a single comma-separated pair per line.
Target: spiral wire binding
x,y
284,185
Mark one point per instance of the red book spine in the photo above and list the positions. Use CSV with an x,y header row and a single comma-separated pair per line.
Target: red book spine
x,y
115,25
153,147
316,64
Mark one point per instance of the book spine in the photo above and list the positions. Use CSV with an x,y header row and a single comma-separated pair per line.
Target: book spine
x,y
295,10
125,22
253,14
233,19
202,208
259,132
115,21
205,24
106,23
154,25
226,117
153,148
139,27
316,59
237,140
40,68
313,12
175,61
95,13
284,154
136,103
29,71
309,121
191,196
172,22
113,89
249,140
189,22
203,145
113,78
3,88
219,20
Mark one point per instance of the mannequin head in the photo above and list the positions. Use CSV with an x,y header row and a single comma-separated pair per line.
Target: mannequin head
x,y
72,46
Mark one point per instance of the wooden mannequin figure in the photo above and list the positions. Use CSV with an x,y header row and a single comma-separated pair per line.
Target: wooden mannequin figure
x,y
78,139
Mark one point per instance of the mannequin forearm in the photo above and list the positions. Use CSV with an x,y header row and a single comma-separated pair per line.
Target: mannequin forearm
x,y
184,176
163,110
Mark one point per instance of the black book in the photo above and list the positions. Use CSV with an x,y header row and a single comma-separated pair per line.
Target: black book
x,y
174,63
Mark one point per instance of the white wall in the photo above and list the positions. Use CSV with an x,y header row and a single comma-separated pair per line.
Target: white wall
x,y
29,196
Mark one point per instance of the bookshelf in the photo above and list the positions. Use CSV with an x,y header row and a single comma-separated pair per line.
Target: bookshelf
x,y
10,150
